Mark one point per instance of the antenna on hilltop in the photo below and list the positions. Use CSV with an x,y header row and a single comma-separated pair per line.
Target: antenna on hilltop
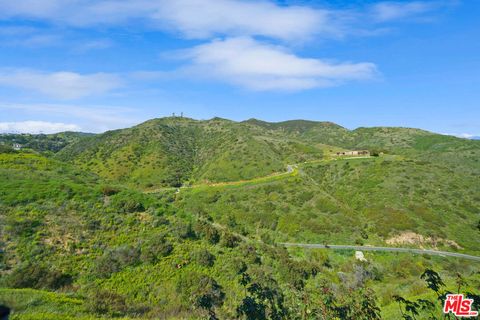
x,y
181,115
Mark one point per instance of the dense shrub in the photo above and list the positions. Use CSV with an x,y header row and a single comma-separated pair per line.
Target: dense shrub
x,y
229,240
114,260
38,277
207,231
203,257
156,249
201,291
129,201
109,190
183,231
107,303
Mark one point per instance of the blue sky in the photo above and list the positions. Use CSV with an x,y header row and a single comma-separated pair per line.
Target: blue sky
x,y
95,65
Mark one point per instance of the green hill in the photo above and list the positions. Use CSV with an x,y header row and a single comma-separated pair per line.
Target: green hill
x,y
174,151
79,239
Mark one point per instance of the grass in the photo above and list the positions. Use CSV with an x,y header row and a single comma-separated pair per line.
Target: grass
x,y
76,228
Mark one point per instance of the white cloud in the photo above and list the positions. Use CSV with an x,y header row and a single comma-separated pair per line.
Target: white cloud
x,y
82,47
192,18
36,127
389,11
253,65
62,85
463,135
201,19
93,118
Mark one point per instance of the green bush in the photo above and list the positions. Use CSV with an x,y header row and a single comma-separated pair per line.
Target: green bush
x,y
207,231
203,257
156,249
38,276
115,260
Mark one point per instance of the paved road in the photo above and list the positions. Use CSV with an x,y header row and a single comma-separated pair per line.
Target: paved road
x,y
368,248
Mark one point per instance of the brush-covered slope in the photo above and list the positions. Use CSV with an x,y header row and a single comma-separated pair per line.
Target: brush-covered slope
x,y
70,250
173,151
390,139
376,201
42,142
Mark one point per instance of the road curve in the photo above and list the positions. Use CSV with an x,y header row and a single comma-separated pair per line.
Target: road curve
x,y
369,248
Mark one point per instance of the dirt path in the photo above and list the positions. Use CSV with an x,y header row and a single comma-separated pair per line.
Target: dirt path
x,y
292,170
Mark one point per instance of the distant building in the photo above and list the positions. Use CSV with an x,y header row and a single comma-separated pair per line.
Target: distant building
x,y
356,153
17,146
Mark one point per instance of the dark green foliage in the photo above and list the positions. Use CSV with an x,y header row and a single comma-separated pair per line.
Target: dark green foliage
x,y
115,260
183,230
6,149
433,280
38,276
107,303
42,142
206,231
202,291
229,240
130,201
208,295
109,190
156,249
264,300
203,257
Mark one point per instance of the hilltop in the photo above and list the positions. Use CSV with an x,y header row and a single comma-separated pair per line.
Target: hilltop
x,y
177,151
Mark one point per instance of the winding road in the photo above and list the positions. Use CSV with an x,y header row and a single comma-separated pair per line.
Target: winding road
x,y
391,249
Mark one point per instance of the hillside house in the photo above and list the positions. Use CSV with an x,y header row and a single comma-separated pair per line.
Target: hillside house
x,y
354,153
17,146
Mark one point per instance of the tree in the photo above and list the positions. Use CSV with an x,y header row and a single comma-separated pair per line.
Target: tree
x,y
433,280
201,292
208,295
264,298
411,309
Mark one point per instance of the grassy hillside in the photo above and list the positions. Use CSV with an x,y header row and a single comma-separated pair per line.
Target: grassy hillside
x,y
84,252
353,201
174,151
80,240
42,142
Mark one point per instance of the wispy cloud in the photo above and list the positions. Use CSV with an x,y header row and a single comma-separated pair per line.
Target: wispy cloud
x,y
61,85
258,66
36,127
201,19
93,118
391,11
464,135
191,18
243,56
98,44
